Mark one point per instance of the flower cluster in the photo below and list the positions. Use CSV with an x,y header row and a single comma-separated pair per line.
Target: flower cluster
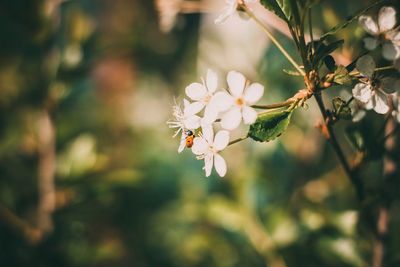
x,y
228,107
371,90
384,33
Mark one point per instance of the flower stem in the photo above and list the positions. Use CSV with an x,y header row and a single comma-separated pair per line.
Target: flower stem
x,y
237,140
275,105
356,73
351,174
274,40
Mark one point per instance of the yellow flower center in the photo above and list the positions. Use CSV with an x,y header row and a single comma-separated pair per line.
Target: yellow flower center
x,y
239,101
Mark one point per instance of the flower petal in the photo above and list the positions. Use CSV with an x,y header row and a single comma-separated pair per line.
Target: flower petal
x,y
193,108
381,102
185,103
211,81
221,140
249,115
228,11
362,92
208,163
390,51
231,119
253,93
386,18
366,65
236,83
369,25
370,43
210,114
196,91
192,122
200,146
222,101
208,133
220,165
182,144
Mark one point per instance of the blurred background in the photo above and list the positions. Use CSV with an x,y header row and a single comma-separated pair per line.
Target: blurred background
x,y
90,174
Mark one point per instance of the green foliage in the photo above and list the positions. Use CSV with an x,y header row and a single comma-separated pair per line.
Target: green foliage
x,y
280,7
349,20
270,125
322,50
341,76
341,108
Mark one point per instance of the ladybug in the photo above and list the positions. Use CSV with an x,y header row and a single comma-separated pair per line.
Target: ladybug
x,y
189,138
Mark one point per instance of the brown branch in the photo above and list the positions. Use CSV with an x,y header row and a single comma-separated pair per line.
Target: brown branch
x,y
29,233
46,170
391,171
331,137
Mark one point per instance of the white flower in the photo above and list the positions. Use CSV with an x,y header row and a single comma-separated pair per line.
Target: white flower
x,y
383,31
369,90
230,8
207,147
183,122
202,94
237,104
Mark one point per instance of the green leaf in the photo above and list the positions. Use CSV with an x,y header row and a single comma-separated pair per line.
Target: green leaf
x,y
285,7
272,5
341,76
323,50
330,63
356,138
270,125
341,108
349,20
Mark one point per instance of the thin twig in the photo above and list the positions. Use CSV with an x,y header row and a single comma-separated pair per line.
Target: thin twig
x,y
275,105
237,140
274,40
46,171
352,175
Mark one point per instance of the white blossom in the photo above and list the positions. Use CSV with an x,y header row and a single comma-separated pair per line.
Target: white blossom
x,y
369,90
207,147
383,31
230,8
202,94
183,122
237,105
